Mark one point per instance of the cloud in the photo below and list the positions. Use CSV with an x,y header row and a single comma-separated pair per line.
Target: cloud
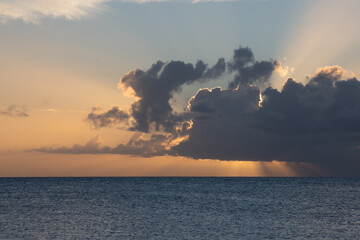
x,y
283,70
248,70
317,122
58,110
15,111
204,1
33,11
153,89
91,147
111,117
192,1
136,146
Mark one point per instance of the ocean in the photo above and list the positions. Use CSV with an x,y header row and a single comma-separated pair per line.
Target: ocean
x,y
179,208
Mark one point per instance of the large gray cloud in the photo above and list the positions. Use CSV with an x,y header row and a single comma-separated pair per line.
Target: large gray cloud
x,y
154,88
317,122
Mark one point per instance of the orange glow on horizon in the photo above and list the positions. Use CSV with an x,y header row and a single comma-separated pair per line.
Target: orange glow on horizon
x,y
33,164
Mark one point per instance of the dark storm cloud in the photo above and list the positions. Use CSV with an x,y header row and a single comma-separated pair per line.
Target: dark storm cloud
x,y
220,126
15,111
154,88
318,122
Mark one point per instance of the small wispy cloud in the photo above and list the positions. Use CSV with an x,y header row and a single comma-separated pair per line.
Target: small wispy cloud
x,y
15,111
35,10
191,1
200,1
57,110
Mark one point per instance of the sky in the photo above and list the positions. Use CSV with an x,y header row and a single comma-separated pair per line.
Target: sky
x,y
179,88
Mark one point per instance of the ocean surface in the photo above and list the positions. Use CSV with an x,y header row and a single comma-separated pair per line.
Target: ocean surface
x,y
179,208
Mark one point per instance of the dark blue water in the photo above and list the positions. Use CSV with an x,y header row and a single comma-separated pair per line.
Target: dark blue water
x,y
179,208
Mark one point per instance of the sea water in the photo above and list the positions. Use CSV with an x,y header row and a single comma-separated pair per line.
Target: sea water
x,y
179,208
